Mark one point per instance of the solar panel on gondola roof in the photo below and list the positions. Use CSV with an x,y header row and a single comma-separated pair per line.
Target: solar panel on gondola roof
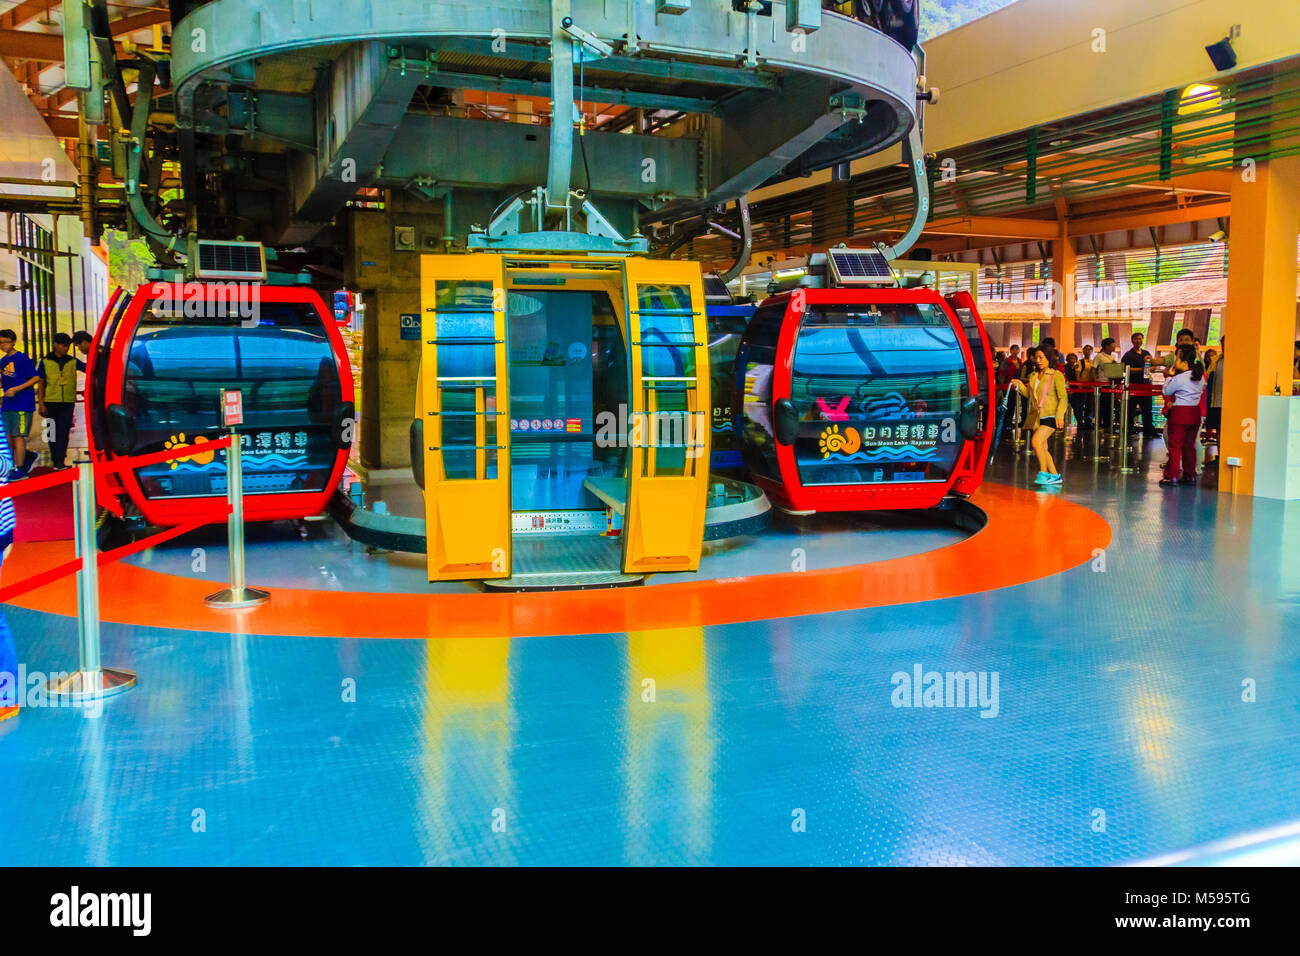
x,y
219,259
859,267
715,290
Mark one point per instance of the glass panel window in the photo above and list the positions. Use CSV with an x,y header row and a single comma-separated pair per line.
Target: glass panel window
x,y
103,356
466,334
667,331
667,349
726,326
755,367
285,369
878,390
968,326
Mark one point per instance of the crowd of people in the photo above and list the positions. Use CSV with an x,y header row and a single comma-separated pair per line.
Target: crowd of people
x,y
1035,385
50,387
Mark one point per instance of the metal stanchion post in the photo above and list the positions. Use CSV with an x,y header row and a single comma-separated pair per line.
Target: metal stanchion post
x,y
1017,435
238,594
1124,425
1096,421
91,679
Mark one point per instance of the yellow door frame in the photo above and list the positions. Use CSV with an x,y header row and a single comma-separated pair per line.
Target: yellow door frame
x,y
467,520
664,522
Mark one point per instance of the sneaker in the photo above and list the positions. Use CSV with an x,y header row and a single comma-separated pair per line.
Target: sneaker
x,y
1167,483
1042,478
1052,480
1188,481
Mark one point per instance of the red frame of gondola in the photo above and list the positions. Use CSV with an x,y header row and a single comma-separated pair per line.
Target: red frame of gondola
x,y
968,472
117,489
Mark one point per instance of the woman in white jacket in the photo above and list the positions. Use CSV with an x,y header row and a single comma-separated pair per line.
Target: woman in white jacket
x,y
1185,386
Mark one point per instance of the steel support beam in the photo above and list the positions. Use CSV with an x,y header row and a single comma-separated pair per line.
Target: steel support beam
x,y
359,105
1145,220
845,91
993,226
560,164
29,45
647,66
590,93
466,153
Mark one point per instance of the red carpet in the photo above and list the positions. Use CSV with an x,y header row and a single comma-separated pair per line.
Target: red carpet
x,y
44,515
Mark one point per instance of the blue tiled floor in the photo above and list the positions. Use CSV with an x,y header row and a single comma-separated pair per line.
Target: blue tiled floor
x,y
327,560
1120,693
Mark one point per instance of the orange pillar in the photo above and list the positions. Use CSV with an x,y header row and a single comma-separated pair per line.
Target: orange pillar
x,y
1261,310
1063,280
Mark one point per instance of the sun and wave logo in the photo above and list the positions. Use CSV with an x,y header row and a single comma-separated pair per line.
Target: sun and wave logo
x,y
199,457
836,442
846,445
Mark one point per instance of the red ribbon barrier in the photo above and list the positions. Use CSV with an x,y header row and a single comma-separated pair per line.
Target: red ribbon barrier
x,y
158,457
39,580
12,489
50,575
135,547
1106,388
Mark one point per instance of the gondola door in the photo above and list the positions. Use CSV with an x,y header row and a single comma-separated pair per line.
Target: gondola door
x,y
668,468
972,328
464,377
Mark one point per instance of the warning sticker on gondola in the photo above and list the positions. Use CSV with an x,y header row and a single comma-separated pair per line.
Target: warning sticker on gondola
x,y
536,424
546,424
573,424
232,407
514,424
523,424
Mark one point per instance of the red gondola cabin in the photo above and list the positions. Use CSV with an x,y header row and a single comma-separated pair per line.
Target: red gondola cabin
x,y
864,399
154,377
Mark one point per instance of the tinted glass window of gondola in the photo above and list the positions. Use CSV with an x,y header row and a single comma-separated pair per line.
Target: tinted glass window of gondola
x,y
726,327
755,369
103,357
878,389
967,320
282,363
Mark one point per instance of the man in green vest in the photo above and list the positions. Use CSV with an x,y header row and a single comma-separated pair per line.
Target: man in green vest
x,y
56,395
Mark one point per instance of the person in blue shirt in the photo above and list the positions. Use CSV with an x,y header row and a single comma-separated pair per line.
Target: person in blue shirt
x,y
8,655
18,379
81,343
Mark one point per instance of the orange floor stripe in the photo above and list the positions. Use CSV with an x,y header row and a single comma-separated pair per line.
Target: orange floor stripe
x,y
1029,536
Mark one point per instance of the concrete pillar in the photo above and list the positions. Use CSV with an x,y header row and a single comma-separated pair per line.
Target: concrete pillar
x,y
1261,309
383,264
1063,280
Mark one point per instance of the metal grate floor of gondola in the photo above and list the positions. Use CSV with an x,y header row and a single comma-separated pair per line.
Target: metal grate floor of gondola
x,y
544,562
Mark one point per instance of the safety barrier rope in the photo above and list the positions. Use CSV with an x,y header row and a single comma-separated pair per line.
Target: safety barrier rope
x,y
15,488
1144,388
